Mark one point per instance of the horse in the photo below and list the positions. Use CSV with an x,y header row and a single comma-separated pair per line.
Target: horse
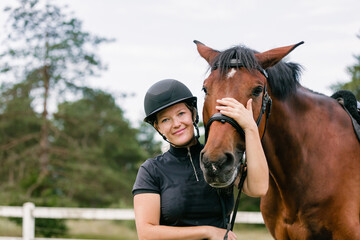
x,y
309,142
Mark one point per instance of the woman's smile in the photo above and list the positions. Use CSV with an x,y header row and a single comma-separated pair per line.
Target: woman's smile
x,y
179,131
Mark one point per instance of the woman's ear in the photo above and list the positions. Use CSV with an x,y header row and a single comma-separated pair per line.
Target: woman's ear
x,y
195,117
156,126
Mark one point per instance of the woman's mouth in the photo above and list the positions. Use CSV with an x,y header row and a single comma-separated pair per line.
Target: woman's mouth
x,y
179,131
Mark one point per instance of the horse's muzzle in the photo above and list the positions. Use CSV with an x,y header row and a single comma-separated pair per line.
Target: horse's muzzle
x,y
219,171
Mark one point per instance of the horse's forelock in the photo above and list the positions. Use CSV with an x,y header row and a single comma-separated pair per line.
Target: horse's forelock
x,y
241,53
283,77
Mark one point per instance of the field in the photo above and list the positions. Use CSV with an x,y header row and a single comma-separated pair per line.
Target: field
x,y
123,230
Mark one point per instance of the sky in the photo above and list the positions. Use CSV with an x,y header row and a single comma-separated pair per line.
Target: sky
x,y
154,39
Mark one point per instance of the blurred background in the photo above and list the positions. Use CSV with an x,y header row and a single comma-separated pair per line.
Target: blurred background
x,y
73,75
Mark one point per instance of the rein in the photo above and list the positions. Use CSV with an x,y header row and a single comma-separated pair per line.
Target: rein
x,y
266,101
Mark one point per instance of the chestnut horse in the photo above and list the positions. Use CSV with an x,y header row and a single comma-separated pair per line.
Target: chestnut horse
x,y
309,142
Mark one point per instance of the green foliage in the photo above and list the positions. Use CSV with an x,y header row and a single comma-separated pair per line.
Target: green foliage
x,y
98,142
354,84
249,203
50,227
47,54
84,155
146,138
19,128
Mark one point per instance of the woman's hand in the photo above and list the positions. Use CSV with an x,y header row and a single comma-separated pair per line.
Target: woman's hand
x,y
257,181
219,234
234,109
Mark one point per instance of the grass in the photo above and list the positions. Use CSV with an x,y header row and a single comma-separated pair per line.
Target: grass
x,y
123,230
9,228
107,230
253,232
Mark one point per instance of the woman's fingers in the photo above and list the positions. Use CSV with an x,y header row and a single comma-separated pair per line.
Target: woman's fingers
x,y
236,110
249,106
229,102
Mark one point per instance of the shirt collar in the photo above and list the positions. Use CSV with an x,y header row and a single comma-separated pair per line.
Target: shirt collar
x,y
183,152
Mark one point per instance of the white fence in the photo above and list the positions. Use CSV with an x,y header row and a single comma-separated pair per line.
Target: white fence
x,y
28,212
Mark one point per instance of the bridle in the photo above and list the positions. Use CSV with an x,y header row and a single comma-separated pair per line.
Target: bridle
x,y
266,104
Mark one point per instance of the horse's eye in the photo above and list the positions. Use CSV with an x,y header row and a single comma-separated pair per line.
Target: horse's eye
x,y
204,90
257,91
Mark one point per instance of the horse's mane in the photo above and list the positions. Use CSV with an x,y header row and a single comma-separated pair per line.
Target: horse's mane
x,y
283,77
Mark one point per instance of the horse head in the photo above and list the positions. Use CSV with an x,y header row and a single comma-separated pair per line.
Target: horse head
x,y
239,73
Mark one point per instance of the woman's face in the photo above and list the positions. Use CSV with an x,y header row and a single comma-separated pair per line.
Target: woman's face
x,y
176,123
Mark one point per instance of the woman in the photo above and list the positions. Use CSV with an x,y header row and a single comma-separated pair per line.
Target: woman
x,y
171,198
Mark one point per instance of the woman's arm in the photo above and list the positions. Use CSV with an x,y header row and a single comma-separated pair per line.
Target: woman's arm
x,y
257,181
147,218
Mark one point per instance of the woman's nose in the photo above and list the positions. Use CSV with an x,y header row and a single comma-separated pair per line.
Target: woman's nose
x,y
177,122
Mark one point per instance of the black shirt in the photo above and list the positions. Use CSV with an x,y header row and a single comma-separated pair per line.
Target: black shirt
x,y
185,201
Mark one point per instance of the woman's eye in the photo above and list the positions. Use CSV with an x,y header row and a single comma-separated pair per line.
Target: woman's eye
x,y
204,90
257,91
164,120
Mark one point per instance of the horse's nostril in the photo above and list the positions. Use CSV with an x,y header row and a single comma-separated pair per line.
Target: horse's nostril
x,y
229,159
201,155
218,164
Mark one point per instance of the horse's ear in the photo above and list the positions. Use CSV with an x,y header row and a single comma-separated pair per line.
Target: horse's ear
x,y
207,53
270,58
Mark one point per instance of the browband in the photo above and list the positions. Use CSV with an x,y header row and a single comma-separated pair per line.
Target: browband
x,y
236,63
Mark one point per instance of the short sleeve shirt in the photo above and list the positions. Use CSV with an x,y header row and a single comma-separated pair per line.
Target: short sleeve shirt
x,y
185,200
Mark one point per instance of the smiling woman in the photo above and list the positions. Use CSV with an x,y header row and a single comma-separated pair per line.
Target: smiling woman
x,y
172,200
176,124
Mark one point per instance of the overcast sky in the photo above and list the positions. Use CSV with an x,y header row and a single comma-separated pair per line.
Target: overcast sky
x,y
154,39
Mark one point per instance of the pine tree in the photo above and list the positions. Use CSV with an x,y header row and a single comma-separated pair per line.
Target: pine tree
x,y
49,54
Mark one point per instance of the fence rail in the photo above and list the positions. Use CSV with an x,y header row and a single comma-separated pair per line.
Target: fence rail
x,y
28,212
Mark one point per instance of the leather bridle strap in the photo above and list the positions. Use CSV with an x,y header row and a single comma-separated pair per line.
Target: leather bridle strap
x,y
266,101
230,225
223,119
236,63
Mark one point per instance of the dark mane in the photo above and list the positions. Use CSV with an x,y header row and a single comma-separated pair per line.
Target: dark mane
x,y
283,77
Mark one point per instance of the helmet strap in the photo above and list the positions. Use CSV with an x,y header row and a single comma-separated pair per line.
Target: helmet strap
x,y
197,130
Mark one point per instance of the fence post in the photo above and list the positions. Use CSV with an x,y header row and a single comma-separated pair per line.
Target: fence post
x,y
28,226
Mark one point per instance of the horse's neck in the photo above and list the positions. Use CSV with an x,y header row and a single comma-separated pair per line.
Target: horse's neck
x,y
288,126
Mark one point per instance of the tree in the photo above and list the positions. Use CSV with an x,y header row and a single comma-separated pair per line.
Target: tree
x,y
50,55
146,138
19,133
354,84
101,154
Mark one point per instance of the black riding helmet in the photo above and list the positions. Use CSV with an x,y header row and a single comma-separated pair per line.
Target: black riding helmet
x,y
166,93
